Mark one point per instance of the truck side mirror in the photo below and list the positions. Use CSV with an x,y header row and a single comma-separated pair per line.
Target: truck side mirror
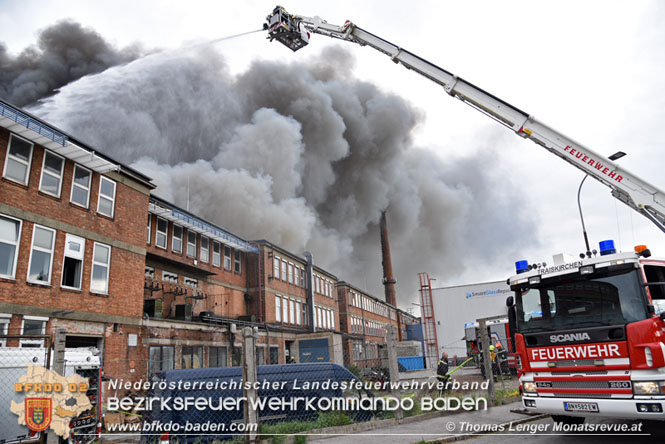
x,y
510,301
512,321
662,316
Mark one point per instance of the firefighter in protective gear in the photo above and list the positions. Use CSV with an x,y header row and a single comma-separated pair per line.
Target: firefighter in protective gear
x,y
495,370
502,358
501,352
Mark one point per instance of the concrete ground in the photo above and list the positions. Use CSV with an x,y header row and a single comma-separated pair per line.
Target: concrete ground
x,y
451,427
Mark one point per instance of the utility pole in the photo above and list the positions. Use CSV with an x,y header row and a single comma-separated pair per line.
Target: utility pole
x,y
487,363
249,377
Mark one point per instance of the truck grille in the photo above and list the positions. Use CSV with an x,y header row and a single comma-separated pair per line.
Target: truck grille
x,y
575,363
576,384
581,395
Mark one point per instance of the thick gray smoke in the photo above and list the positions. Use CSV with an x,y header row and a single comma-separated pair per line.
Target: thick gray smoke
x,y
303,155
65,52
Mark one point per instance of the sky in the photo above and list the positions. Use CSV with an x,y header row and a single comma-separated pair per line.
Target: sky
x,y
591,69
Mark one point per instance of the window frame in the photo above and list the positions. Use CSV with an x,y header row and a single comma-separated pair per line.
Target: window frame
x,y
51,252
191,244
149,228
164,233
5,318
31,342
278,308
237,262
276,261
107,265
101,196
217,349
161,356
196,350
68,238
16,246
74,184
174,238
260,355
285,310
206,250
14,158
273,355
44,171
228,258
216,256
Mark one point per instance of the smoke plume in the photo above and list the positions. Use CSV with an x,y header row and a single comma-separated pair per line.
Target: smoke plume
x,y
303,155
65,52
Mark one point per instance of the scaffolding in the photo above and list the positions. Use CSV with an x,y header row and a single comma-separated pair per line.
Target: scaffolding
x,y
429,323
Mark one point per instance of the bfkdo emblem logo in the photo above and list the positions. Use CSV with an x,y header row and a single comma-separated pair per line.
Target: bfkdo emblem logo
x,y
38,413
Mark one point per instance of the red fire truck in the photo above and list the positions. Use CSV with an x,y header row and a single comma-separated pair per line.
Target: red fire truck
x,y
590,335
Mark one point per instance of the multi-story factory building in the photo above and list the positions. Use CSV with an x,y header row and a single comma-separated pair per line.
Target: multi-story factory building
x,y
87,246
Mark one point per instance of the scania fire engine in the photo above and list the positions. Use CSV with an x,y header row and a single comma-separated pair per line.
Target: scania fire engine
x,y
589,333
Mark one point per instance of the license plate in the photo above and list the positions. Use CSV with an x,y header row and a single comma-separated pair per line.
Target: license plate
x,y
580,407
83,422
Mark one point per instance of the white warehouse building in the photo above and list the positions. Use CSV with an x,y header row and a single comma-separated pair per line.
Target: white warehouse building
x,y
456,306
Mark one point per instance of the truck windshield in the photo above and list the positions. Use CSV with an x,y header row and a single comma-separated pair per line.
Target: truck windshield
x,y
578,301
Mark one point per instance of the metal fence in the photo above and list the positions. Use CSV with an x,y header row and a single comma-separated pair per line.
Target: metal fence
x,y
47,390
19,353
237,393
336,385
316,387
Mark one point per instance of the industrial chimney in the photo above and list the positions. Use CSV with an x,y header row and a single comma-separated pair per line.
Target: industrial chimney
x,y
388,276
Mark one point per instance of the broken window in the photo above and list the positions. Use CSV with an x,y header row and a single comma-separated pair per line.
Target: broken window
x,y
72,267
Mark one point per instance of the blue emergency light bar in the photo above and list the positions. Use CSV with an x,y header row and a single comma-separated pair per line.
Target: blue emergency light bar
x,y
607,247
522,266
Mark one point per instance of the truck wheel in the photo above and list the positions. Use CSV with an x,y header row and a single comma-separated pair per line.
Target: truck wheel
x,y
568,420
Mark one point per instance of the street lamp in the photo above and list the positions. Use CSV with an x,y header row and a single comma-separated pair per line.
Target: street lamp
x,y
613,157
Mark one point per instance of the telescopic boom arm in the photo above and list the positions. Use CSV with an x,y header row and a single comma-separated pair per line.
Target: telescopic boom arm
x,y
293,31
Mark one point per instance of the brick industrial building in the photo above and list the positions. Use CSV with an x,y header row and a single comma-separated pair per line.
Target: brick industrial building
x,y
85,245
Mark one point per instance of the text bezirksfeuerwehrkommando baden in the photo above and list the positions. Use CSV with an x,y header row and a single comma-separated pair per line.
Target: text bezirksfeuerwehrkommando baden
x,y
293,403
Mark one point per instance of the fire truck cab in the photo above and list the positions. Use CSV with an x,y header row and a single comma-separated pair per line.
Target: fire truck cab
x,y
589,335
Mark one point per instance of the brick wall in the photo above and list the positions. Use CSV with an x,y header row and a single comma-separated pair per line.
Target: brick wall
x,y
221,273
126,225
126,228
